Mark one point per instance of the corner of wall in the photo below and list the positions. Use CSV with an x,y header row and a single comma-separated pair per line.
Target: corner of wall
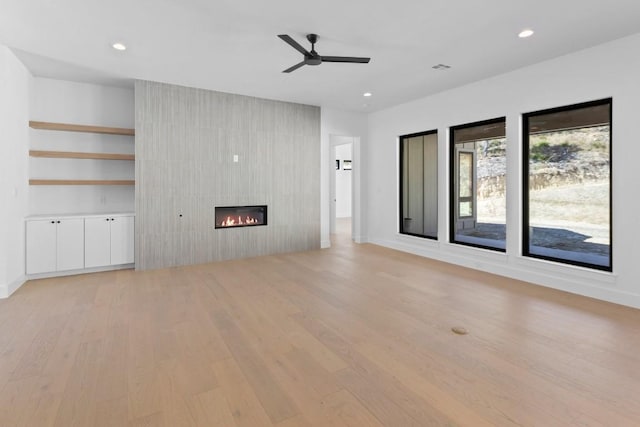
x,y
10,288
15,80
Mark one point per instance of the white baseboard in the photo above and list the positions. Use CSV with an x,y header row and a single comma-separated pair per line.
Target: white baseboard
x,y
572,279
360,239
325,244
9,288
76,272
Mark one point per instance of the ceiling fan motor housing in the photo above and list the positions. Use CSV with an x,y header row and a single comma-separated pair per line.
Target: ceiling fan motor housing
x,y
313,60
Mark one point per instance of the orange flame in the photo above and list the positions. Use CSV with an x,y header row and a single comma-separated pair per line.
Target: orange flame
x,y
230,222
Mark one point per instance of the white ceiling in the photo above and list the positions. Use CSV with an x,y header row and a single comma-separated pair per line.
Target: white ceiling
x,y
231,45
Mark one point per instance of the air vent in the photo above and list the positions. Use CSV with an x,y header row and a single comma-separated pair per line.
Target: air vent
x,y
441,67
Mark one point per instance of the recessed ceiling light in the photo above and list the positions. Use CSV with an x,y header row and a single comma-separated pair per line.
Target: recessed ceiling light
x,y
367,94
119,46
525,33
441,67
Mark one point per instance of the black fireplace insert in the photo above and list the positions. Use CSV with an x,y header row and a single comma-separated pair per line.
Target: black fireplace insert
x,y
240,216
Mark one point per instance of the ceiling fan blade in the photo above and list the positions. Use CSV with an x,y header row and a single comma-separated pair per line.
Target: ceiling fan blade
x,y
346,59
294,44
295,67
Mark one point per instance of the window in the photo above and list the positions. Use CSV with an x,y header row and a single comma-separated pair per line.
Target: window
x,y
478,184
419,184
567,184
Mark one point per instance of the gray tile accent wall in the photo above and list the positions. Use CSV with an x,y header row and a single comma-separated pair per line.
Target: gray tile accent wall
x,y
185,142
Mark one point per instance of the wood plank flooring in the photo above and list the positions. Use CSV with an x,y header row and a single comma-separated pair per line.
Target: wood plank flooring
x,y
356,335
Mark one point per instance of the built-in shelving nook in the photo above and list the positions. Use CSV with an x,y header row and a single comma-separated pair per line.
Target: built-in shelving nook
x,y
81,178
67,127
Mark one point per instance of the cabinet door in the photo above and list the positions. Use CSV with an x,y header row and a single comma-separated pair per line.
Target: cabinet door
x,y
41,246
97,242
70,244
122,238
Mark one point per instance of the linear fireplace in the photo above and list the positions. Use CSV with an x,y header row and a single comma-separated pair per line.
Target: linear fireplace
x,y
240,216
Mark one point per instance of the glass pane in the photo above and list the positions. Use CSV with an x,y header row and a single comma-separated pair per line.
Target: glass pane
x,y
569,186
465,209
419,203
480,196
465,174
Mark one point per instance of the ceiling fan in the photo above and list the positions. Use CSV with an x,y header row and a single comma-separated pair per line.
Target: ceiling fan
x,y
312,58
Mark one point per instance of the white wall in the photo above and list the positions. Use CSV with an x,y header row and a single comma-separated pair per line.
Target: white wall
x,y
89,104
609,70
15,83
343,123
343,182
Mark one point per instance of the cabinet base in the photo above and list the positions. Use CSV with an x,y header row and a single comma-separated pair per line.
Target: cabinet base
x,y
82,271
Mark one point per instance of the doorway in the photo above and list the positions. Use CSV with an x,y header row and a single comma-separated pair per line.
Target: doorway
x,y
342,186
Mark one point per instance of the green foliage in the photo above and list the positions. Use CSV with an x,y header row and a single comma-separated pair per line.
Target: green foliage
x,y
540,152
543,151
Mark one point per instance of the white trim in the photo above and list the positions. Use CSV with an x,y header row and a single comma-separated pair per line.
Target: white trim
x,y
82,271
10,288
360,239
576,280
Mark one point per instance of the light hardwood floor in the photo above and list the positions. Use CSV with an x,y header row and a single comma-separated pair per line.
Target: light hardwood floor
x,y
356,335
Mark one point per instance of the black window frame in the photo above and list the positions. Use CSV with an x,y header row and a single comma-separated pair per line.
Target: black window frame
x,y
401,188
452,180
525,183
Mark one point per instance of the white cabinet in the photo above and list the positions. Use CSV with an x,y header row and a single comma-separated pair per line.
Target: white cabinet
x,y
79,242
97,242
109,240
70,244
55,245
41,246
122,240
